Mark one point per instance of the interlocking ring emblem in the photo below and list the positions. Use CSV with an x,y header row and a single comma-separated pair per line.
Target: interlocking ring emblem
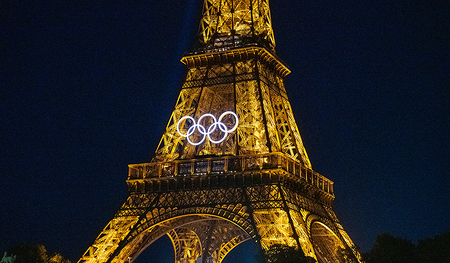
x,y
206,132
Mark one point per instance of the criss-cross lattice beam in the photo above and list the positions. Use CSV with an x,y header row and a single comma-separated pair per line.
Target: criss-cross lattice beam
x,y
231,22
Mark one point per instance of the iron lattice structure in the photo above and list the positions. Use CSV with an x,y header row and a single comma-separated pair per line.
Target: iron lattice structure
x,y
256,184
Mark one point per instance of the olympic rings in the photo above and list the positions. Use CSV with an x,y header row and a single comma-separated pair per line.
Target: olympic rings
x,y
206,132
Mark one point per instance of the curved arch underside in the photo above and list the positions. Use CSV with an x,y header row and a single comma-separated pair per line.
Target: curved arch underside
x,y
208,223
209,239
192,236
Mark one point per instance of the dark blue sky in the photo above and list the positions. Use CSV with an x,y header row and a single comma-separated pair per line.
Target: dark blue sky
x,y
87,87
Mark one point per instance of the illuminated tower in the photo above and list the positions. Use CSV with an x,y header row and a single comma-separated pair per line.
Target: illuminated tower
x,y
231,165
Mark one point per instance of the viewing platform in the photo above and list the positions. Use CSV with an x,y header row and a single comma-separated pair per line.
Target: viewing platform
x,y
223,165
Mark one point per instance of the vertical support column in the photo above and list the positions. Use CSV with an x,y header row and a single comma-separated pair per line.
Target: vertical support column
x,y
247,202
261,100
291,222
208,169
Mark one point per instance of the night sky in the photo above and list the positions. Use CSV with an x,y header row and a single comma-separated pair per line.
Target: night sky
x,y
87,87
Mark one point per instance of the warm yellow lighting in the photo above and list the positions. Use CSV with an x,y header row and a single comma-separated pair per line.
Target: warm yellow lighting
x,y
251,179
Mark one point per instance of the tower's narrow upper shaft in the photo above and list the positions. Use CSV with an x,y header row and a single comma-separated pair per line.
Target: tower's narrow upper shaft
x,y
236,23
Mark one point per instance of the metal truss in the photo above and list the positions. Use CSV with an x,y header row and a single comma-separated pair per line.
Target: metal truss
x,y
186,244
204,220
248,81
255,184
231,23
210,239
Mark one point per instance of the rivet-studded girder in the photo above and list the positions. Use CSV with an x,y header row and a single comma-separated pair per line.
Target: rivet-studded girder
x,y
231,23
248,81
206,221
210,239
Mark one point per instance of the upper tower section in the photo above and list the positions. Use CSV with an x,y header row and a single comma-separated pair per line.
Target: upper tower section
x,y
233,103
235,23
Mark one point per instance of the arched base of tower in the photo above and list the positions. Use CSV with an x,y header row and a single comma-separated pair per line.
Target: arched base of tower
x,y
207,215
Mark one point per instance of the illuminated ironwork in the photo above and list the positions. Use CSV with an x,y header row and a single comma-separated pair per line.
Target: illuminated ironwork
x,y
256,182
233,23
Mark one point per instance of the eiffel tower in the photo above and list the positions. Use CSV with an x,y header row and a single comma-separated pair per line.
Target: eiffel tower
x,y
231,165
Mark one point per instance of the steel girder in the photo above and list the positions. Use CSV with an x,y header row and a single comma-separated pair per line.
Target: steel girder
x,y
231,23
271,212
210,239
248,81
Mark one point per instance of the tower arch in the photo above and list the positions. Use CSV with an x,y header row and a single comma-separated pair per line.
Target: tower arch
x,y
193,235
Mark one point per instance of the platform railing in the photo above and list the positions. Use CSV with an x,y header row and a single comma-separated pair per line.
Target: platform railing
x,y
229,164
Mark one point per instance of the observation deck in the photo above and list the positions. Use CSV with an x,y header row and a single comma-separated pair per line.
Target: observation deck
x,y
227,171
